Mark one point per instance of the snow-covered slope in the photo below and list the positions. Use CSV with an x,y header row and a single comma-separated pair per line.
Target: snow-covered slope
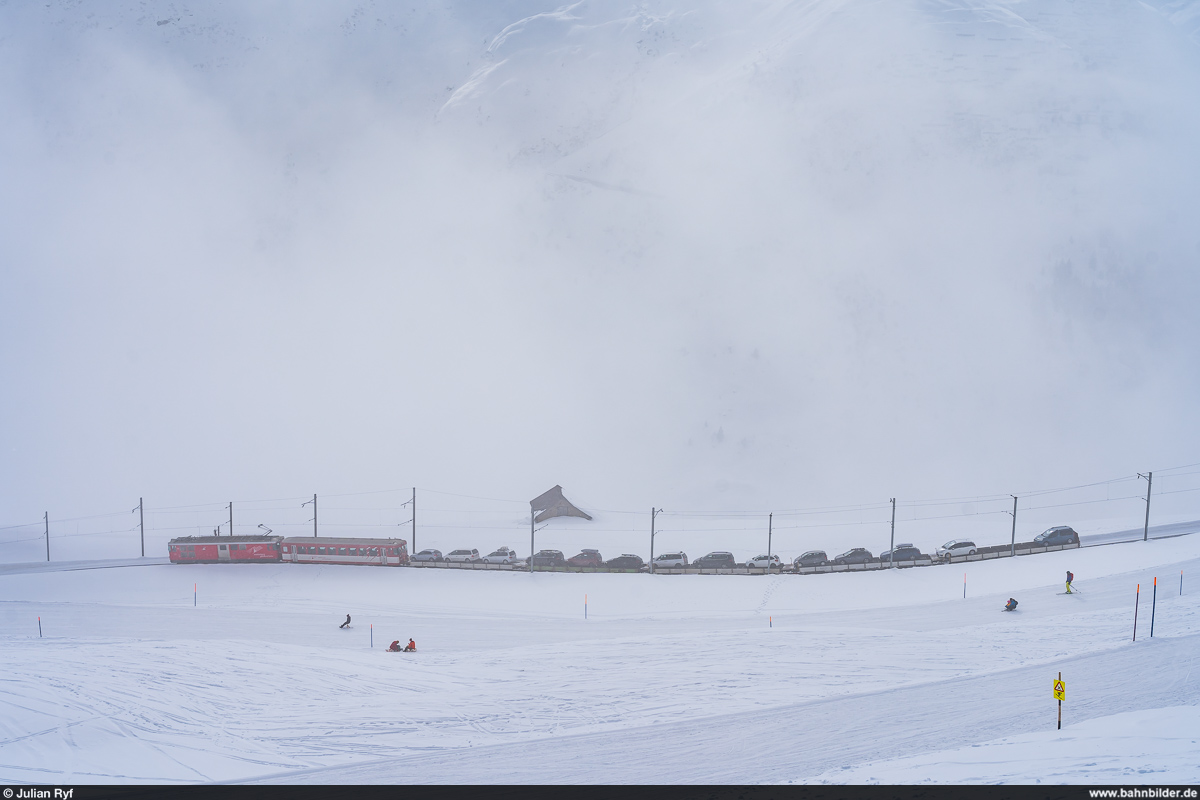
x,y
669,679
1135,747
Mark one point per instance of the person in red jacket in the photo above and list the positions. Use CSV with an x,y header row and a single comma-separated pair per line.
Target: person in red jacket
x,y
411,647
395,646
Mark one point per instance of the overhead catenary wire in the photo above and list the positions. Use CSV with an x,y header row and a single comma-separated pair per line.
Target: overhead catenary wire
x,y
835,510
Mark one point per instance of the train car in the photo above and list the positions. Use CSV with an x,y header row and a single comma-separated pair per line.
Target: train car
x,y
221,549
331,550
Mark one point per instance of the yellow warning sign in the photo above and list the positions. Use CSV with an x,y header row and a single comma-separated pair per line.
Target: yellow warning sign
x,y
1060,690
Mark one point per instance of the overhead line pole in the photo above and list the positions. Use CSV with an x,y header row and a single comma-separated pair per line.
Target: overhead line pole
x,y
532,514
46,517
414,520
770,519
231,518
892,552
1013,552
654,512
1149,483
142,524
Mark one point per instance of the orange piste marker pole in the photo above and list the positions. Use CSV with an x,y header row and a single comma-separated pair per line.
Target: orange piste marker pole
x,y
1135,608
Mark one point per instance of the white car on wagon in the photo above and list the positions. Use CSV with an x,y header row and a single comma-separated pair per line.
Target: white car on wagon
x,y
504,555
956,547
671,560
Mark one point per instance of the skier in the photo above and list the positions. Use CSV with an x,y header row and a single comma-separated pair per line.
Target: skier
x,y
1070,577
411,647
395,646
1010,605
345,624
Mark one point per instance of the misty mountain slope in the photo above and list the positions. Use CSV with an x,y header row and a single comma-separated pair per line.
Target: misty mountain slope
x,y
884,160
680,252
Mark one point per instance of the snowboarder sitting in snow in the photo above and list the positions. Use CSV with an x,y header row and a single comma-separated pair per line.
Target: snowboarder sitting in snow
x,y
411,647
1070,577
1010,605
395,646
345,624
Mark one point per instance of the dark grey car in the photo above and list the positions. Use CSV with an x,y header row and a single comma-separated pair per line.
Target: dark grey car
x,y
1062,534
549,558
813,558
625,561
857,555
718,560
902,554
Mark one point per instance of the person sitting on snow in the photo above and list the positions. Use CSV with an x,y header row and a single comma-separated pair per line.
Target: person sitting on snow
x,y
1010,605
395,646
345,624
411,647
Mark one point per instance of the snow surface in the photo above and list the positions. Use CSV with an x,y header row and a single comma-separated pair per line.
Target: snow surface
x,y
670,678
1153,746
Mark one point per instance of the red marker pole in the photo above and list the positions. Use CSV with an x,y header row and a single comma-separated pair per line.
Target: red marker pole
x,y
195,594
585,606
1153,605
1135,607
39,627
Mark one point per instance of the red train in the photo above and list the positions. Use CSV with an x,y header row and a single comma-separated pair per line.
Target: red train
x,y
328,550
297,550
217,549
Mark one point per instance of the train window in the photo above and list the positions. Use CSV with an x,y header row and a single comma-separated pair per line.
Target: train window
x,y
321,550
353,551
341,551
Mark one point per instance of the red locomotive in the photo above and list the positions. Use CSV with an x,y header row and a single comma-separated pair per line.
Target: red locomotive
x,y
219,549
